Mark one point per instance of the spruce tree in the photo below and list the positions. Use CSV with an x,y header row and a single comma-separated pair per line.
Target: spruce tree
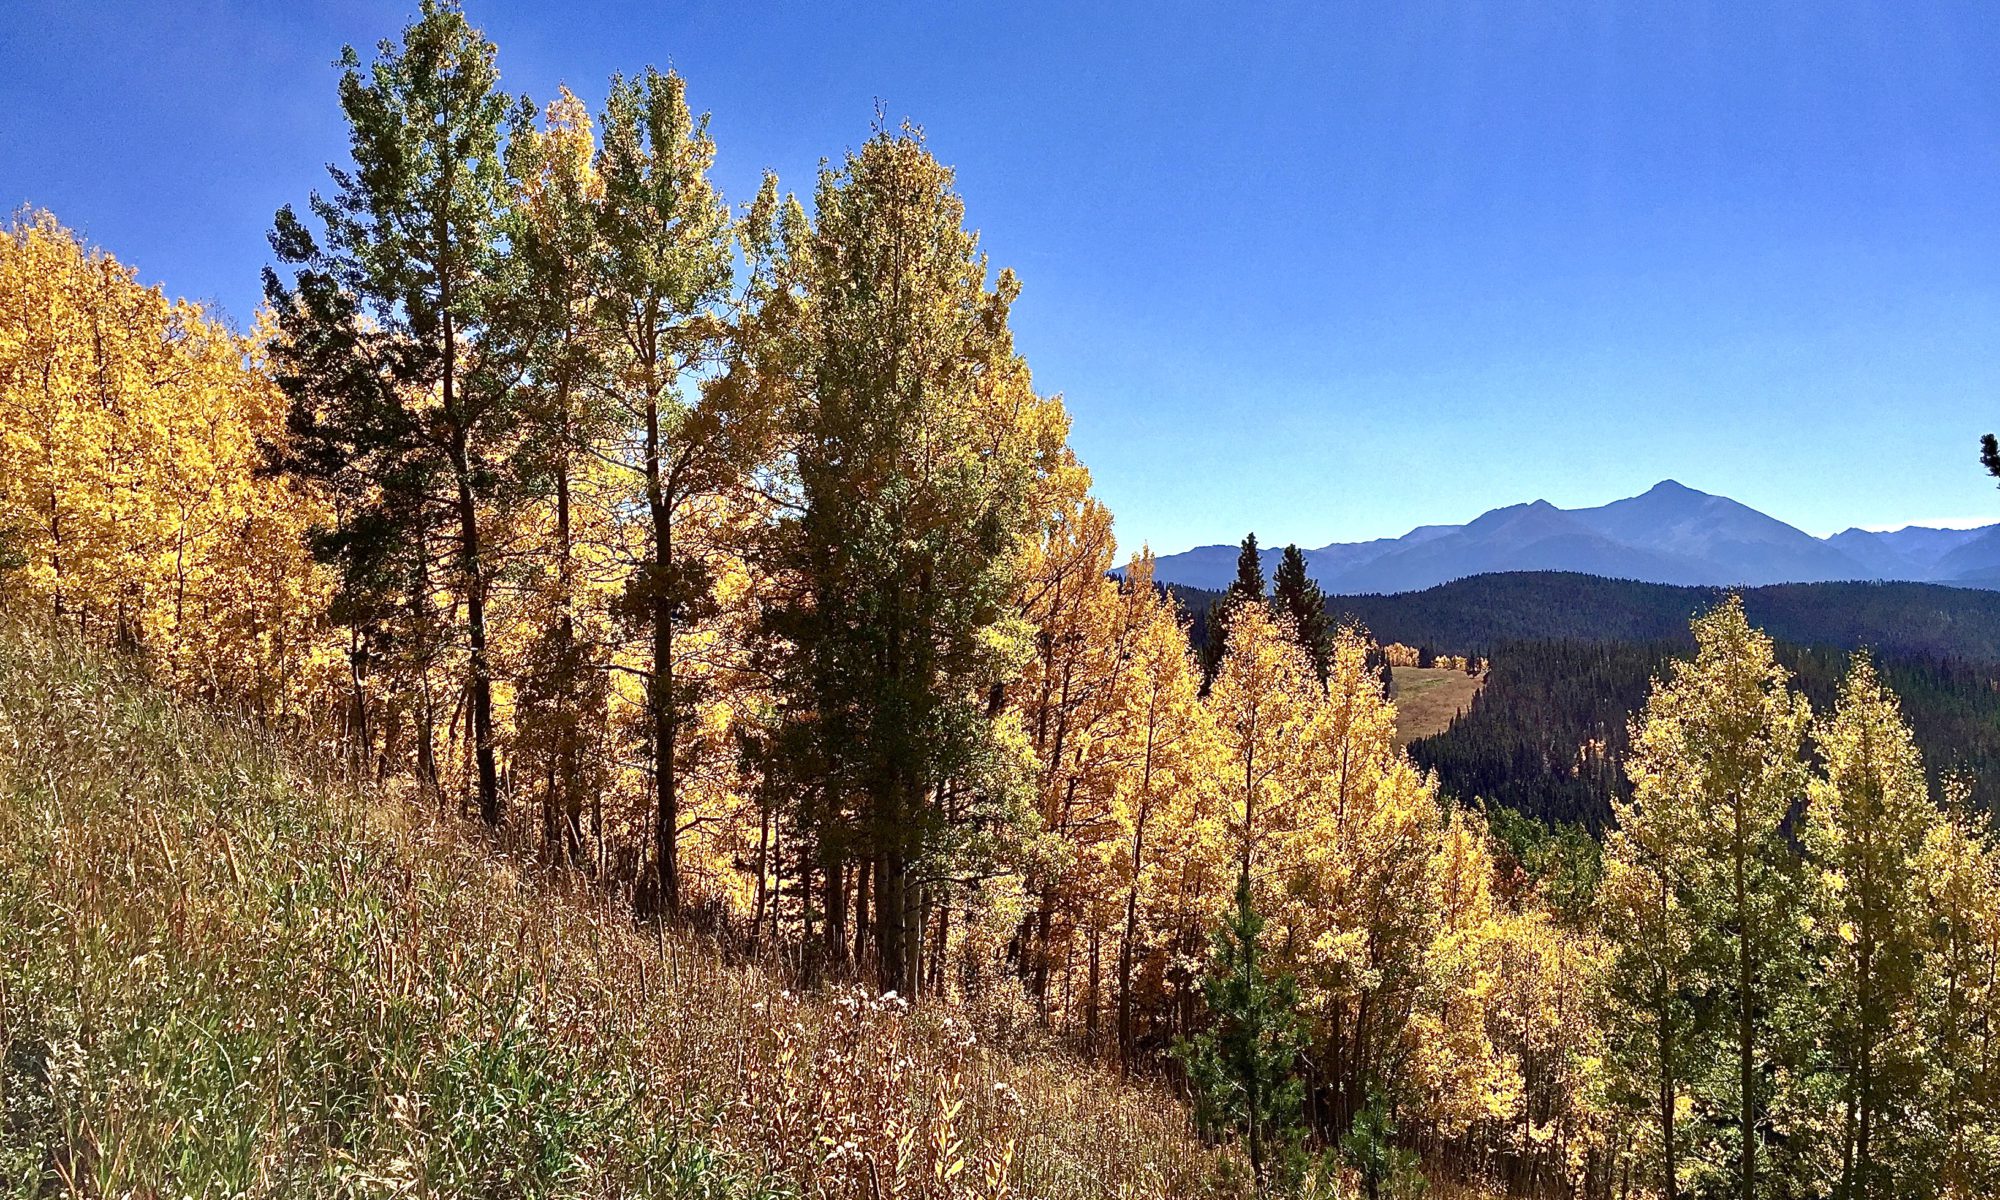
x,y
1246,588
1243,1068
1295,594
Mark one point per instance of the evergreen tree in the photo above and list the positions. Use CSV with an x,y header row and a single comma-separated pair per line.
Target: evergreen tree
x,y
1246,588
1369,1146
1297,595
1244,1068
918,452
401,391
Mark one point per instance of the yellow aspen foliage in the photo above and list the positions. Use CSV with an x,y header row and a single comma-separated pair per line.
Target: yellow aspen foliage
x,y
1864,831
1958,880
1170,856
1263,702
1067,700
1700,871
1454,1065
1543,1018
131,501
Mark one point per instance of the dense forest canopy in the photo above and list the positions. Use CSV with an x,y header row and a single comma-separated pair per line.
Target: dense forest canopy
x,y
1547,733
1477,613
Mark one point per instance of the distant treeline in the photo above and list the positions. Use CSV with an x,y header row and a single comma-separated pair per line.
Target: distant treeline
x,y
1479,613
1572,657
1547,735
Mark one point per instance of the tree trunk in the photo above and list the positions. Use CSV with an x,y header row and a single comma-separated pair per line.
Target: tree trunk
x,y
1090,1021
1125,1040
891,945
833,898
861,897
665,705
1670,1183
475,627
1745,1016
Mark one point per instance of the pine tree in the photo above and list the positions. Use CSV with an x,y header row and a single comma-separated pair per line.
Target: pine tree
x,y
1296,595
1369,1146
1243,1069
1246,588
402,394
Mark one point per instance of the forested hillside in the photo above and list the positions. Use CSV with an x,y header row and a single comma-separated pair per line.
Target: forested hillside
x,y
1478,613
684,735
1547,734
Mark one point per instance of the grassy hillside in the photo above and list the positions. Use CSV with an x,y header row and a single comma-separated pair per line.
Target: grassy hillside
x,y
1429,699
225,971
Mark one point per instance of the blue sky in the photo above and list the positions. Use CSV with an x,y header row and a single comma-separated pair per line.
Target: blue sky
x,y
1327,272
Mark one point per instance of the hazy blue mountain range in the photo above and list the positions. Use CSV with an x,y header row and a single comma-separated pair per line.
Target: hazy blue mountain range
x,y
1671,534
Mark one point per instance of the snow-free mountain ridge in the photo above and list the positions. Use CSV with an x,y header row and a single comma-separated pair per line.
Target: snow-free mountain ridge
x,y
1671,534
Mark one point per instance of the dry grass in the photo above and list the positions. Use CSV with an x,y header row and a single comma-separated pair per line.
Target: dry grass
x,y
1428,699
226,972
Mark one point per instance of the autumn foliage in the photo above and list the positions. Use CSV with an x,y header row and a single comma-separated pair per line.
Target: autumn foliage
x,y
727,563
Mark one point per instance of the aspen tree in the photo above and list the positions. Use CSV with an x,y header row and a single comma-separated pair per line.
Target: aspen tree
x,y
1865,832
663,276
1716,761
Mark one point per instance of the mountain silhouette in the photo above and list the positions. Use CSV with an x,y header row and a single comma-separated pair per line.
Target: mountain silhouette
x,y
1672,533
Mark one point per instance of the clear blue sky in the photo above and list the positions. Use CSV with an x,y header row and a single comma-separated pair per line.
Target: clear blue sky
x,y
1324,272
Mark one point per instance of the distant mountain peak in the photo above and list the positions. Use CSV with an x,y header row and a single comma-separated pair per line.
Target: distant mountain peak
x,y
1671,533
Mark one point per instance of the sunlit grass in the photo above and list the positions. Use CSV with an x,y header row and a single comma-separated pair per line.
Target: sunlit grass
x,y
225,970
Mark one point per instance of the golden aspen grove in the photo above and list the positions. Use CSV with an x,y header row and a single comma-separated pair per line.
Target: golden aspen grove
x,y
607,688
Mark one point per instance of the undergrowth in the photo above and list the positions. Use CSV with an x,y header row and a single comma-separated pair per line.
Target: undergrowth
x,y
227,971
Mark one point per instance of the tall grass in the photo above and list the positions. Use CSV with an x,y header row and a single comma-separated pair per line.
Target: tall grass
x,y
227,971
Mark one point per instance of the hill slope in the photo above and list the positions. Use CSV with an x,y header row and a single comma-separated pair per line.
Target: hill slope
x,y
1546,735
226,972
1572,657
1429,699
1478,613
